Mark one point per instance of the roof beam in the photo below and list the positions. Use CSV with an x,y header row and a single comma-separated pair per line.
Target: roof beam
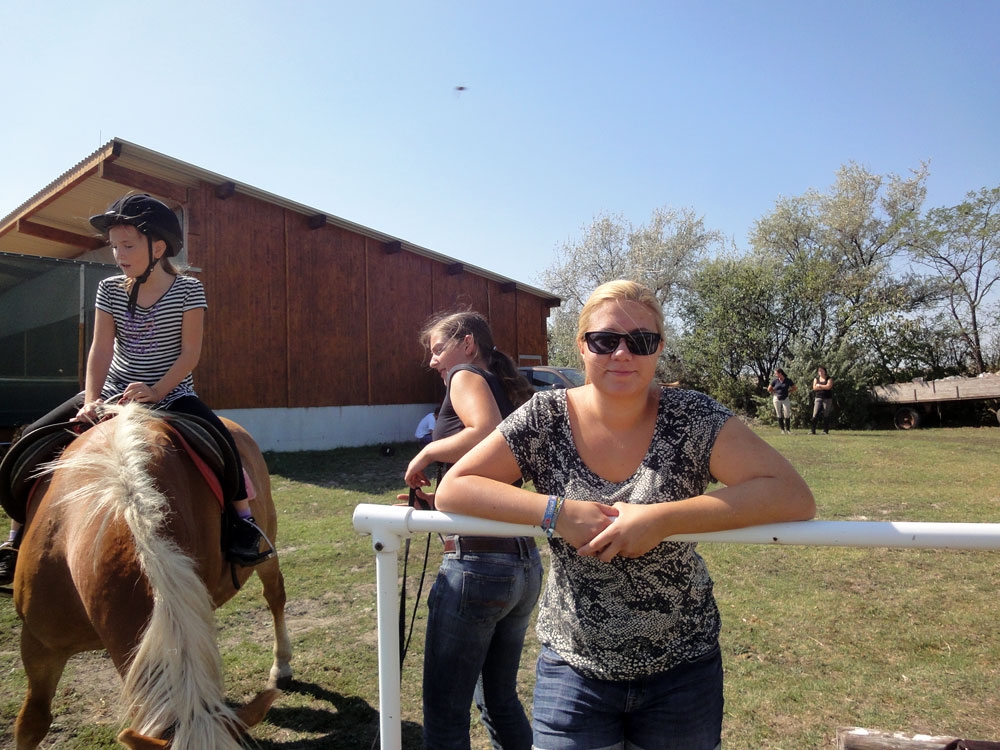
x,y
60,236
131,178
225,190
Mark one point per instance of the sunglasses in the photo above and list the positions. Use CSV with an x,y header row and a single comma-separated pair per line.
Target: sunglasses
x,y
642,343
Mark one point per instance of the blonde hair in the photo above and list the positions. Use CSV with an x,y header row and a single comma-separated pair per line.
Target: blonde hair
x,y
620,290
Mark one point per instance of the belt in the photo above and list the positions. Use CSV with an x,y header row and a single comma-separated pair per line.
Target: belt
x,y
513,545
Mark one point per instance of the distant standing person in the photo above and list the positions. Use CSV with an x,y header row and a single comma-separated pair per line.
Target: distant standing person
x,y
823,402
781,387
425,428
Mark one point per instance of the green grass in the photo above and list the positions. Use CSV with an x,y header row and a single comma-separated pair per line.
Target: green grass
x,y
813,639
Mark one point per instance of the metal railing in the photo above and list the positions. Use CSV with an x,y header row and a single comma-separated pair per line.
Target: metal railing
x,y
389,525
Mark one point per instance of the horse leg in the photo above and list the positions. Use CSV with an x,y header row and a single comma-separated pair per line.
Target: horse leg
x,y
274,593
43,667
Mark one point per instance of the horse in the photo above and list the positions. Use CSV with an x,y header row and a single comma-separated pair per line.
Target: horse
x,y
122,552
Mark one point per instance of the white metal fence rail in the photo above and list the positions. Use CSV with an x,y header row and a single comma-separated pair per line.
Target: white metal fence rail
x,y
389,525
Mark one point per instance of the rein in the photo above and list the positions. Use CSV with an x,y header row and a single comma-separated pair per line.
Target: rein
x,y
404,637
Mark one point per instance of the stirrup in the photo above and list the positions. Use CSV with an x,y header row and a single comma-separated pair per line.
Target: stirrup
x,y
247,561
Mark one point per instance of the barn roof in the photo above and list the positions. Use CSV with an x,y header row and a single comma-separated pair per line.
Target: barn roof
x,y
54,222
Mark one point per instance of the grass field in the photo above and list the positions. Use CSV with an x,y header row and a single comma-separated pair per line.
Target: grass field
x,y
813,638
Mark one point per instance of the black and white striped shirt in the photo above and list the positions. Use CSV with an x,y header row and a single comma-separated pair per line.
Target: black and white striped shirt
x,y
148,343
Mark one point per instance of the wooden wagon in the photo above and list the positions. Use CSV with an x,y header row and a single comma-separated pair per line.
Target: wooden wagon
x,y
920,397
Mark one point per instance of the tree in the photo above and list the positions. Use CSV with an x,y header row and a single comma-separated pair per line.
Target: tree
x,y
660,254
737,318
839,251
961,245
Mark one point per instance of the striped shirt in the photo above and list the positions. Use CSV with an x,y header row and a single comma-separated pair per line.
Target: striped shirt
x,y
148,343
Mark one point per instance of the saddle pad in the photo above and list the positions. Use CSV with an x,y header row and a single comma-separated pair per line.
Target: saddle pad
x,y
20,464
206,441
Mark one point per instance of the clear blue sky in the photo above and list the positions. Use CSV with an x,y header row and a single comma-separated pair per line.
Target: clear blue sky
x,y
571,109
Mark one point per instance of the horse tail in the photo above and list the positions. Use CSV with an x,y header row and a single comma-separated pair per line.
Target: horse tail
x,y
174,683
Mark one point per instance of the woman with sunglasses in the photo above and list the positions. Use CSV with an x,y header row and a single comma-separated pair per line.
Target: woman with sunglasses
x,y
486,588
628,623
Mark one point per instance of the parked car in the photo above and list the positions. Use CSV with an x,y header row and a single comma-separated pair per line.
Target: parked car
x,y
546,378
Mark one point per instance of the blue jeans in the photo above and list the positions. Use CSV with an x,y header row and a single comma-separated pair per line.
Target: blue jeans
x,y
680,709
479,609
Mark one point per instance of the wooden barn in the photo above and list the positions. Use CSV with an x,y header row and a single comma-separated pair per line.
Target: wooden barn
x,y
311,332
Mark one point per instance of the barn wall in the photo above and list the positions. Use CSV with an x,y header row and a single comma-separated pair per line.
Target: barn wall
x,y
396,311
532,315
327,312
502,315
239,245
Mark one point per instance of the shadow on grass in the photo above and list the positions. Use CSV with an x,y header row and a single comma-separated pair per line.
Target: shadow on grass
x,y
373,469
349,723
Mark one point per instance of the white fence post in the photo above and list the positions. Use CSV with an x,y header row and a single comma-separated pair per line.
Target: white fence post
x,y
389,524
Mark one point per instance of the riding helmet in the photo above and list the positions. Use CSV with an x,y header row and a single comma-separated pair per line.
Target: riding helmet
x,y
148,215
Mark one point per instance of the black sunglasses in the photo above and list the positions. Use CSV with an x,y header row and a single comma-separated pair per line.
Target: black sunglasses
x,y
642,343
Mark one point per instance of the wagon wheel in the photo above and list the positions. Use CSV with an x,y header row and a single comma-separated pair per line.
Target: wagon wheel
x,y
906,418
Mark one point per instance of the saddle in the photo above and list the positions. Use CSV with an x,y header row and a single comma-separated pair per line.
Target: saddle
x,y
19,468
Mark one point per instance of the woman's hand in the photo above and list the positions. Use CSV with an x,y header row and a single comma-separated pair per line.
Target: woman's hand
x,y
580,521
631,534
415,476
425,500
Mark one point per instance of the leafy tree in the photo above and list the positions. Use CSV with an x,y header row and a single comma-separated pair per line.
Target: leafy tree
x,y
660,254
961,246
838,250
732,328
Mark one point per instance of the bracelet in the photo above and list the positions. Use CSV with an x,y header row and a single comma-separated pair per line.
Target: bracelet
x,y
551,514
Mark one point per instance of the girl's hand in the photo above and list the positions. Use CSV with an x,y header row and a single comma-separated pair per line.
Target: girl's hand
x,y
88,412
140,392
631,535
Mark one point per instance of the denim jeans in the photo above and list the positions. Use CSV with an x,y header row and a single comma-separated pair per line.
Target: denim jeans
x,y
479,609
680,709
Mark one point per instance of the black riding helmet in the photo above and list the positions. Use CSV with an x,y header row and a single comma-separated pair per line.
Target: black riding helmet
x,y
150,217
145,213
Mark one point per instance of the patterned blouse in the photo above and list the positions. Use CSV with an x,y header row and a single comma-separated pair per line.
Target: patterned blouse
x,y
148,343
632,617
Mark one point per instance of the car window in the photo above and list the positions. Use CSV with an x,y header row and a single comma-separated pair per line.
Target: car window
x,y
573,376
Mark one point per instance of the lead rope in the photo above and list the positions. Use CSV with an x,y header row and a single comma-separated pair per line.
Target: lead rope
x,y
404,637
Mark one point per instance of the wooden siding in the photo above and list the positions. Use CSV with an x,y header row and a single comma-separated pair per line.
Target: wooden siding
x,y
398,305
328,347
306,313
239,245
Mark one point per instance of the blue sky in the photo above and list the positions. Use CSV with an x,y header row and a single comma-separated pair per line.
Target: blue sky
x,y
571,109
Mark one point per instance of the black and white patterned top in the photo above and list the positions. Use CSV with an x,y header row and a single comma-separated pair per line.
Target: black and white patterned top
x,y
148,344
632,617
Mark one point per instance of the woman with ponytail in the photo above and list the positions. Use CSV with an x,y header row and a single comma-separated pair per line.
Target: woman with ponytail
x,y
487,587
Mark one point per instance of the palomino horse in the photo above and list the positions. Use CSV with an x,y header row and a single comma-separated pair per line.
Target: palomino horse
x,y
122,552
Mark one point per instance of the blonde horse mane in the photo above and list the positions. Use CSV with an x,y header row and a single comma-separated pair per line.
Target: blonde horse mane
x,y
174,682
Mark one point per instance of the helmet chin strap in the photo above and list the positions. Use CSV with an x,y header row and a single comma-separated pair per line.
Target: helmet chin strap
x,y
133,295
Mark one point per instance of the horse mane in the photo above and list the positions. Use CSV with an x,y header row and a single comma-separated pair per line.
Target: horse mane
x,y
174,684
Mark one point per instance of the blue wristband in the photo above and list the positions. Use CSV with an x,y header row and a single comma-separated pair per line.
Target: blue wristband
x,y
548,520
